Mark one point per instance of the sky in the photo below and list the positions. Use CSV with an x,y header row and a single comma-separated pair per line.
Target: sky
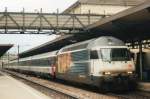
x,y
25,41
34,5
29,41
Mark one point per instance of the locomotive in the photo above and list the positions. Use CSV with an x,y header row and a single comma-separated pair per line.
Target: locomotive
x,y
104,62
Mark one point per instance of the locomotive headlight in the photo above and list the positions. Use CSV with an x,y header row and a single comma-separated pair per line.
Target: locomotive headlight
x,y
107,73
130,72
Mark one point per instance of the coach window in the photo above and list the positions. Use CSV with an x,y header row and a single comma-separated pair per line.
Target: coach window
x,y
93,54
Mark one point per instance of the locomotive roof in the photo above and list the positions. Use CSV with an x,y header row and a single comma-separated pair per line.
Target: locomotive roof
x,y
101,41
106,41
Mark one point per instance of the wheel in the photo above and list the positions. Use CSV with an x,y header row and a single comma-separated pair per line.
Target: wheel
x,y
132,85
102,86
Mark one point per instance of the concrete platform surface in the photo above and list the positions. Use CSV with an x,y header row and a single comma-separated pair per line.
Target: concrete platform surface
x,y
145,86
11,88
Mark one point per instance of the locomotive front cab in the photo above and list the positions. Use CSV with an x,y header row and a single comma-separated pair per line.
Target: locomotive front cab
x,y
112,64
111,61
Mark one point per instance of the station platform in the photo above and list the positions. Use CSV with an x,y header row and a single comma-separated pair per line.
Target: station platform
x,y
144,86
11,88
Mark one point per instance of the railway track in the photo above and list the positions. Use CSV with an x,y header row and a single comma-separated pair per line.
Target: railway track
x,y
133,95
60,91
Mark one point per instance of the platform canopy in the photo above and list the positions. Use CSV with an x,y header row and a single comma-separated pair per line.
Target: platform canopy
x,y
131,24
4,48
103,3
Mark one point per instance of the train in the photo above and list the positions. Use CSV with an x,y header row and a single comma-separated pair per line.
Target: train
x,y
103,62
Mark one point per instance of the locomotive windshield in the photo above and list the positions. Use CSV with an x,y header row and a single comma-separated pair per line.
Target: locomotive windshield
x,y
115,54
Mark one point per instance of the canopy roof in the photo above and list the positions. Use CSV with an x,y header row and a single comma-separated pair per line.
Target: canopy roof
x,y
113,2
4,48
105,2
131,24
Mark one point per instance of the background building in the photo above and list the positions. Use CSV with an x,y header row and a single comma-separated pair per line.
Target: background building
x,y
102,7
